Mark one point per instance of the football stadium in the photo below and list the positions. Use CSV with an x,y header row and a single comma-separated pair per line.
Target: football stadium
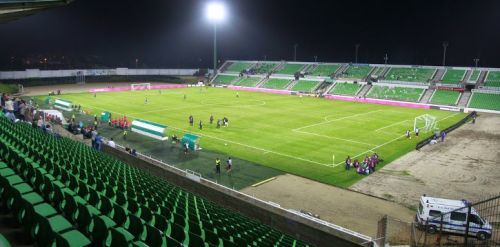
x,y
246,152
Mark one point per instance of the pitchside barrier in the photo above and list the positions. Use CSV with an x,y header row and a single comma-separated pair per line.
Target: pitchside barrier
x,y
153,130
447,130
63,105
292,222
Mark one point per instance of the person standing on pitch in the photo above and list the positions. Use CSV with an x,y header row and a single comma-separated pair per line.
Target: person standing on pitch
x,y
191,120
201,125
417,131
217,166
408,134
211,118
229,165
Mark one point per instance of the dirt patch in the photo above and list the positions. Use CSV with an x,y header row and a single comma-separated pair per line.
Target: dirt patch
x,y
345,208
464,166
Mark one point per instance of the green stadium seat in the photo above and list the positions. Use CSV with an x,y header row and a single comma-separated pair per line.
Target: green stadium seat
x,y
66,201
72,238
4,242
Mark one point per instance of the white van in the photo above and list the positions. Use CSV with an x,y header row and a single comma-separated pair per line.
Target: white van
x,y
430,209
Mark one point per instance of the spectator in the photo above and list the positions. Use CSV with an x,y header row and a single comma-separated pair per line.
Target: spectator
x,y
133,152
443,135
348,163
111,143
9,105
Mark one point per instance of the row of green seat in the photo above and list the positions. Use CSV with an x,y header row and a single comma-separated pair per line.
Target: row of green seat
x,y
356,72
224,79
492,79
238,67
410,74
275,83
290,68
264,68
305,86
67,193
350,89
453,76
395,93
488,101
445,97
474,75
248,81
325,69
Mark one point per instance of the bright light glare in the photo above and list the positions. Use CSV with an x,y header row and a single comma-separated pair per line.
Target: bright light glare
x,y
216,11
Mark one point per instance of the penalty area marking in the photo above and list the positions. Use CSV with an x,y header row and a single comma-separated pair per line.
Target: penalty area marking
x,y
391,141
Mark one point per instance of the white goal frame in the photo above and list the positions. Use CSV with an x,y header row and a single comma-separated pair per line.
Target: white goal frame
x,y
140,86
425,123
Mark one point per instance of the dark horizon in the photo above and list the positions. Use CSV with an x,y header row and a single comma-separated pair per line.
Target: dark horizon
x,y
175,34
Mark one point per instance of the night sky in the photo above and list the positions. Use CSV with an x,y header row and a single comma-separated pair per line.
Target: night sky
x,y
176,34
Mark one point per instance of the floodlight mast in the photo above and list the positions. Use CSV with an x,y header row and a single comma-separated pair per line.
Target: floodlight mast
x,y
215,12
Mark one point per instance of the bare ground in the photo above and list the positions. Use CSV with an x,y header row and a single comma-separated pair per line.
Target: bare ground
x,y
342,207
464,166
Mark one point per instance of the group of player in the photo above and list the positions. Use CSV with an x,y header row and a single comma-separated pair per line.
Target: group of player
x,y
220,122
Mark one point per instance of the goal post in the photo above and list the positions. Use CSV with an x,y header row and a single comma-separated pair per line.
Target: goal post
x,y
140,86
425,123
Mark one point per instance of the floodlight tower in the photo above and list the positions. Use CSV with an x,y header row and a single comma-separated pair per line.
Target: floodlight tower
x,y
476,61
215,13
445,45
356,46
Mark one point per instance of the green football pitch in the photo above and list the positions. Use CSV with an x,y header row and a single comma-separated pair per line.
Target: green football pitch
x,y
305,136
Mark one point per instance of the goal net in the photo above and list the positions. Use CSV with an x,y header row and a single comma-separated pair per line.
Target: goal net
x,y
140,86
425,123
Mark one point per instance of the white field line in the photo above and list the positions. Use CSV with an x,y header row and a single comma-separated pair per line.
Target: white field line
x,y
335,138
229,141
334,120
391,141
391,125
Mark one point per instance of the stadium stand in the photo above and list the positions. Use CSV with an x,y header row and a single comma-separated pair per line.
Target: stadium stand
x,y
224,79
483,100
264,68
345,89
238,67
445,97
356,72
453,76
492,79
67,194
410,74
248,81
276,83
325,70
475,75
290,68
378,71
305,86
395,93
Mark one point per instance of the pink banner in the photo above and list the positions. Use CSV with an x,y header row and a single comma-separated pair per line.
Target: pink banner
x,y
256,89
378,101
154,86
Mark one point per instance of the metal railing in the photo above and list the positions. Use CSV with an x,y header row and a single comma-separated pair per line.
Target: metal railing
x,y
476,224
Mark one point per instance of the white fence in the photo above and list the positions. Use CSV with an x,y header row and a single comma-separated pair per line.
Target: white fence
x,y
36,73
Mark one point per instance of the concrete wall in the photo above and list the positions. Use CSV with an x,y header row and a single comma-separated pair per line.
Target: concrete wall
x,y
287,222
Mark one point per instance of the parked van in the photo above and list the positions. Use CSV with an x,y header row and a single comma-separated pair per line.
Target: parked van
x,y
454,218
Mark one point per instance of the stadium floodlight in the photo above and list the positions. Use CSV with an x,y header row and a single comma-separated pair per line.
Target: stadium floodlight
x,y
215,12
